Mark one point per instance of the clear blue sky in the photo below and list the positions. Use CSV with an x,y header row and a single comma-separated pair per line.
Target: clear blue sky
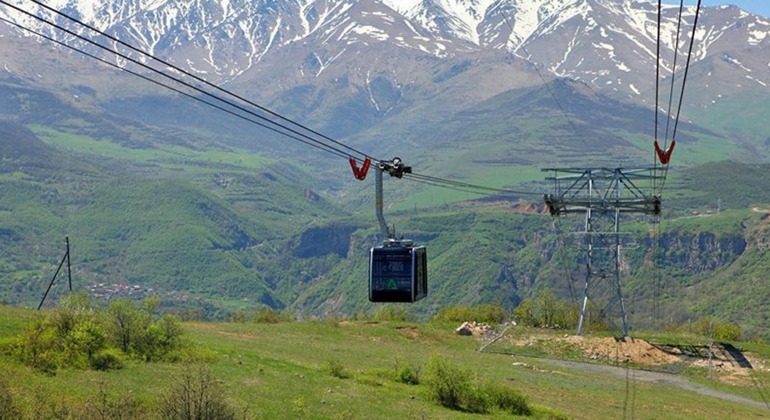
x,y
760,7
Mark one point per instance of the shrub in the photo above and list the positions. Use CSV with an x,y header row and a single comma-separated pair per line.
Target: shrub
x,y
508,399
476,399
107,405
336,369
271,316
447,384
72,334
84,340
717,330
8,409
135,332
408,375
455,314
398,313
107,359
452,387
547,310
491,314
196,395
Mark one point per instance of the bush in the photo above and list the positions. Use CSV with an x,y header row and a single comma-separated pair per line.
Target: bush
x,y
452,387
408,375
508,399
455,314
271,316
491,314
547,310
398,313
336,369
107,359
72,334
8,409
196,395
476,399
447,384
108,405
717,330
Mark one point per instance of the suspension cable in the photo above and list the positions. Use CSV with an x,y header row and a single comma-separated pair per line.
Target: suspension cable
x,y
334,149
289,132
198,78
179,91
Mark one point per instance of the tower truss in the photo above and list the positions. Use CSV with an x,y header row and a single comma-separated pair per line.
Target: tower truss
x,y
603,196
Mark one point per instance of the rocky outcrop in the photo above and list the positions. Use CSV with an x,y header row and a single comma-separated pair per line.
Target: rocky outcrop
x,y
324,240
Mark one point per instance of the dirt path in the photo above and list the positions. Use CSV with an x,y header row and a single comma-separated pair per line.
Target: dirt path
x,y
656,377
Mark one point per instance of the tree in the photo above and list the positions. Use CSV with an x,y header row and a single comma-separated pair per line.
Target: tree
x,y
125,324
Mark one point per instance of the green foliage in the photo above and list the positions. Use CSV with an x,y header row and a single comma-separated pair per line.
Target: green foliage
x,y
454,388
271,316
715,329
107,359
507,399
447,384
408,375
546,310
492,314
8,408
393,313
196,395
107,405
76,335
525,313
476,399
335,369
136,332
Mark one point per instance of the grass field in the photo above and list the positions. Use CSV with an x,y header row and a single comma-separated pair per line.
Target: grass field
x,y
282,371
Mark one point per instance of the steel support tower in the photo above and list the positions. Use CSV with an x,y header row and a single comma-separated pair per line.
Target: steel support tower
x,y
603,196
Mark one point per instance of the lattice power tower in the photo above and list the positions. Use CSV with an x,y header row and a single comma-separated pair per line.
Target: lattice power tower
x,y
603,195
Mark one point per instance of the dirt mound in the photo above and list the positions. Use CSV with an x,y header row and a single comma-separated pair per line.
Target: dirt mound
x,y
632,350
724,362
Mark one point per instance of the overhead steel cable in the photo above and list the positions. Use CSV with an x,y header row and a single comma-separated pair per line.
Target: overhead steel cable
x,y
179,91
684,81
289,132
657,94
445,186
201,80
321,144
542,79
673,73
686,68
460,184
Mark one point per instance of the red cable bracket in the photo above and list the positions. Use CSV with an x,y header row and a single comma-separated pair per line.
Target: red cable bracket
x,y
664,157
360,174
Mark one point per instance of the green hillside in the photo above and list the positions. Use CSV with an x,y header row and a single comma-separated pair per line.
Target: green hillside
x,y
343,369
213,229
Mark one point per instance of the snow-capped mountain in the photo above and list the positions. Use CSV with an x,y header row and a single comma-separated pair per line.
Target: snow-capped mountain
x,y
323,58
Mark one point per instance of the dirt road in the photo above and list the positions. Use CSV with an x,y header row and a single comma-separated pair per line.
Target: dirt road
x,y
655,377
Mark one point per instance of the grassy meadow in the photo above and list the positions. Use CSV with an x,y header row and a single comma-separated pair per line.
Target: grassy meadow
x,y
341,369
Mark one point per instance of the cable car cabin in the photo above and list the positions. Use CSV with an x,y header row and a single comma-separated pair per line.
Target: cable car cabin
x,y
398,273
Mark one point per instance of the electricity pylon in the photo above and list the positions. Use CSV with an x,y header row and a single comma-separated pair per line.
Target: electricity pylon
x,y
603,195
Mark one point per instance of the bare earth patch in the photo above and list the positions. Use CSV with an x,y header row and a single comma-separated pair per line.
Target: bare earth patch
x,y
724,365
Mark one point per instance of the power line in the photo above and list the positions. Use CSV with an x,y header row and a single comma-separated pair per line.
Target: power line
x,y
459,184
673,72
542,79
197,78
684,81
156,82
686,68
289,132
332,149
